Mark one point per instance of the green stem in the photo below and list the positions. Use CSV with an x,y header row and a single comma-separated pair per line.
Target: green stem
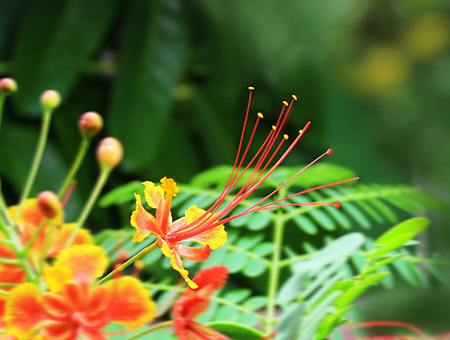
x,y
47,241
2,105
9,285
101,180
274,273
151,329
130,261
84,146
36,162
4,292
15,262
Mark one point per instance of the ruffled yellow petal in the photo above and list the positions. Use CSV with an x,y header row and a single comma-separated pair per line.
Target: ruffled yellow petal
x,y
84,262
130,303
153,194
24,312
214,237
169,186
57,276
177,264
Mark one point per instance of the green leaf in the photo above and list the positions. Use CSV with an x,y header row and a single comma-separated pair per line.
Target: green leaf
x,y
412,226
54,44
237,295
254,267
151,62
236,331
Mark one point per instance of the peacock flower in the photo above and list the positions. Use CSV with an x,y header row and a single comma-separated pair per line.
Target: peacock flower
x,y
194,302
75,307
207,226
29,221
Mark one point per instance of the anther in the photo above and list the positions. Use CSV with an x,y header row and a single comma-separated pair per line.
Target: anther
x,y
285,103
285,136
294,97
300,131
329,152
251,88
274,127
337,205
260,115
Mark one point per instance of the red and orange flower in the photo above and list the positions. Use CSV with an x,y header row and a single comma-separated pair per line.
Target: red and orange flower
x,y
73,306
207,226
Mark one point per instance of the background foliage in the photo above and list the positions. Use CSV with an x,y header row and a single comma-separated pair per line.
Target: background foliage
x,y
170,78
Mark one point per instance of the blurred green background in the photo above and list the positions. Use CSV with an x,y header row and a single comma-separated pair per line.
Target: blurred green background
x,y
170,79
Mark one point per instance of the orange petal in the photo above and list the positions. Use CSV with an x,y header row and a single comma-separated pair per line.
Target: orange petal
x,y
11,274
66,330
130,304
215,237
153,194
24,312
57,276
177,264
197,254
213,277
55,305
61,236
144,222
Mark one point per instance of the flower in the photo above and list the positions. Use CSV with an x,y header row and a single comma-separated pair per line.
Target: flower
x,y
75,307
194,302
207,226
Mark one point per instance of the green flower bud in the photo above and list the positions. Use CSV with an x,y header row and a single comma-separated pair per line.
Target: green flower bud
x,y
8,86
50,100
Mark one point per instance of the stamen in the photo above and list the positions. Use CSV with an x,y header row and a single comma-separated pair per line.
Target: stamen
x,y
260,115
251,88
329,152
274,127
285,136
294,97
285,103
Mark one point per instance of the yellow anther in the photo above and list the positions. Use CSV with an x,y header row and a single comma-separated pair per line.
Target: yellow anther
x,y
294,97
285,136
285,103
300,131
169,186
260,115
251,88
274,127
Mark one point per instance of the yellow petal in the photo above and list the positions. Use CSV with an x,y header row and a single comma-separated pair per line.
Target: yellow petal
x,y
169,186
177,264
57,276
153,194
214,237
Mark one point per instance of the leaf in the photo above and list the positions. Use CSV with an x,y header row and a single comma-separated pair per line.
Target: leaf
x,y
54,44
151,62
254,267
235,331
412,226
121,195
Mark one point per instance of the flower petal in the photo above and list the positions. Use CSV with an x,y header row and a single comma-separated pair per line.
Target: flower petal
x,y
169,186
177,264
85,262
24,311
60,331
144,222
153,194
215,237
130,303
197,254
62,234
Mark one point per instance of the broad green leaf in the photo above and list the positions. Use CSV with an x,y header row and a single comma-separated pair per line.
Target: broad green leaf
x,y
290,322
248,241
255,302
412,226
235,331
237,295
150,64
259,220
55,42
291,288
254,267
380,264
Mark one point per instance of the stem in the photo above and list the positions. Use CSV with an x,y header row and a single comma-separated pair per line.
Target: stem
x,y
151,329
9,285
90,203
84,146
36,162
274,274
2,105
130,261
3,292
15,262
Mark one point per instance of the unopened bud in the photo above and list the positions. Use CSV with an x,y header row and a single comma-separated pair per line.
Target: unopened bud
x,y
90,123
109,151
50,100
49,204
8,86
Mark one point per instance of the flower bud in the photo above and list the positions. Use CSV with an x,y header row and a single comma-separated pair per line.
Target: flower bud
x,y
90,123
109,152
8,86
50,100
49,204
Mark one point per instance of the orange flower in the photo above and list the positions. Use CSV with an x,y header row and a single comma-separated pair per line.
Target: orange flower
x,y
194,302
74,307
207,227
